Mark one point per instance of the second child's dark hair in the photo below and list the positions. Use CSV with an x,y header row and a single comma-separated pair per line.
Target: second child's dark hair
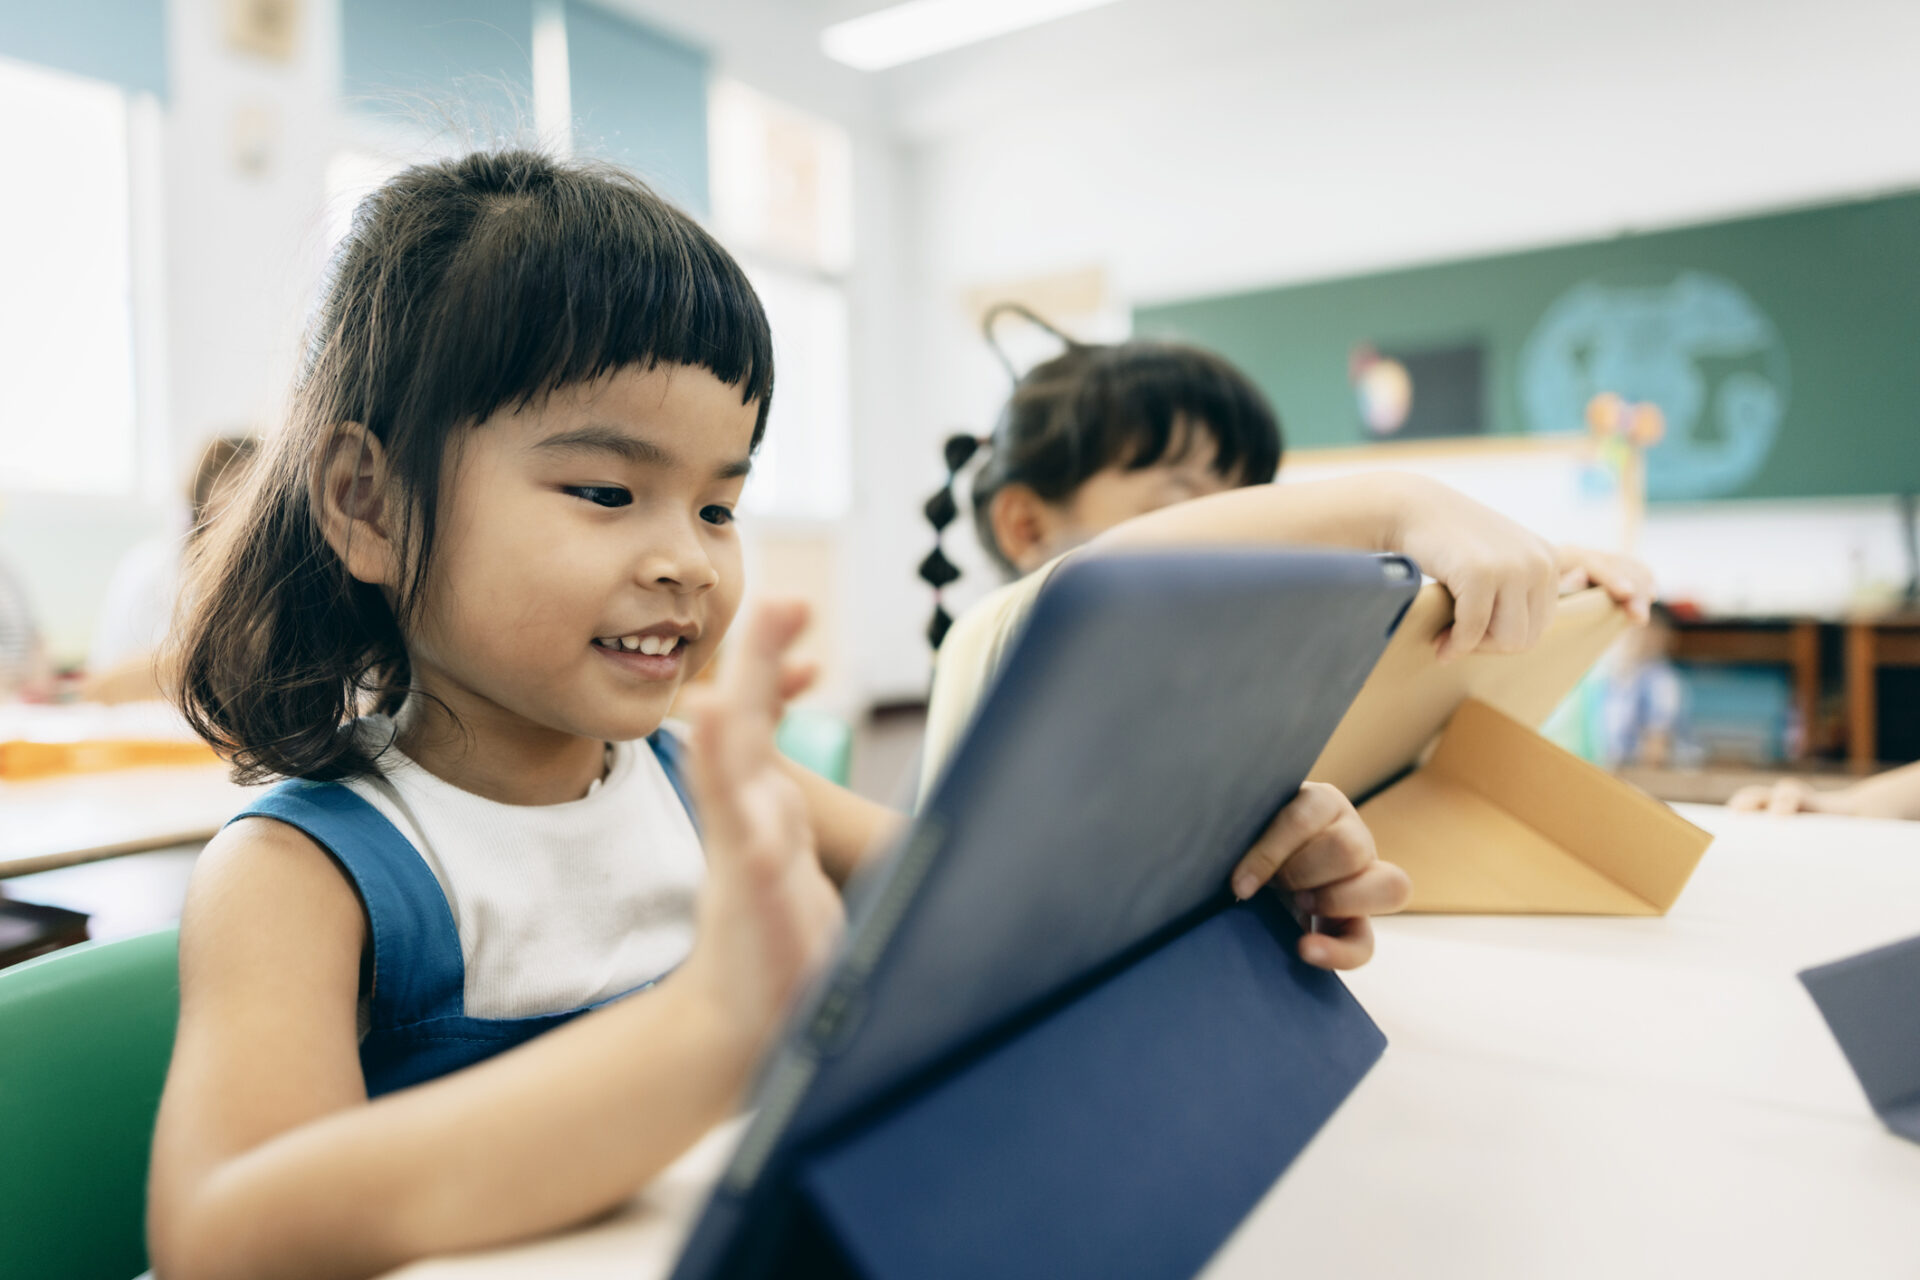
x,y
1095,406
464,287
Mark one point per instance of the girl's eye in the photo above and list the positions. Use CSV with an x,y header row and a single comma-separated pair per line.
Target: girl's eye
x,y
717,515
604,495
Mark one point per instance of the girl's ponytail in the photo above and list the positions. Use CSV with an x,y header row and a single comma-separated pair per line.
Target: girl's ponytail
x,y
941,509
936,570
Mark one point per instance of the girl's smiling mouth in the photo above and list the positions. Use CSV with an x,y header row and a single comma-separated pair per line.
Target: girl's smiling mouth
x,y
656,653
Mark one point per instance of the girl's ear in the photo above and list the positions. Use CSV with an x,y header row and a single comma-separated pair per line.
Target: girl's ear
x,y
352,498
1023,525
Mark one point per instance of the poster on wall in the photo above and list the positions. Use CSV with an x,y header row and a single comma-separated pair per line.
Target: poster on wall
x,y
1690,342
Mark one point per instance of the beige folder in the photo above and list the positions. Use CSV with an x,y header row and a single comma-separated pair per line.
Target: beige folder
x,y
1484,813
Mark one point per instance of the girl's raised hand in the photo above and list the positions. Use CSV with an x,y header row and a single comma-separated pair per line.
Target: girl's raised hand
x,y
1319,850
768,916
1504,578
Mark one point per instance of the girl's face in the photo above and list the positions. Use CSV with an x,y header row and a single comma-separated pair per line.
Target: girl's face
x,y
586,562
1118,494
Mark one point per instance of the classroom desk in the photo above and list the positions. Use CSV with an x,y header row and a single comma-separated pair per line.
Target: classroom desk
x,y
1872,643
1569,1097
83,817
1790,642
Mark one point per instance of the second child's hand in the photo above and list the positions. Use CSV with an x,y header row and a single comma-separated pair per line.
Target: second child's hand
x,y
1319,852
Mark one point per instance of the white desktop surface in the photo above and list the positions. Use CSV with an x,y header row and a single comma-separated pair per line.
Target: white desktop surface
x,y
82,817
1562,1097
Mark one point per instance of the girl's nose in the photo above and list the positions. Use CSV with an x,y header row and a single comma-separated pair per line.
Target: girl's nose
x,y
677,559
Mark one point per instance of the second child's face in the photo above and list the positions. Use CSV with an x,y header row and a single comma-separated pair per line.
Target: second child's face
x,y
1119,493
586,560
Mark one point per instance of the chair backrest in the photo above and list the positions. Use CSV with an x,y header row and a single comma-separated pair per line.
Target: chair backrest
x,y
820,742
85,1035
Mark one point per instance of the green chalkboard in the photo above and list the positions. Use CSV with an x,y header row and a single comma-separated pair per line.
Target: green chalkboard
x,y
1784,350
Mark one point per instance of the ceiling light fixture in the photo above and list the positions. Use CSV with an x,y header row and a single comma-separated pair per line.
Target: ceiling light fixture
x,y
920,28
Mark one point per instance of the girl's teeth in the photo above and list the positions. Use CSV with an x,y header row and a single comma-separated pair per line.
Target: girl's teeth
x,y
655,646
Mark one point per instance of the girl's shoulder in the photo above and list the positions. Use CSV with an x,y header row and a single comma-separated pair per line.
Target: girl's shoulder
x,y
260,884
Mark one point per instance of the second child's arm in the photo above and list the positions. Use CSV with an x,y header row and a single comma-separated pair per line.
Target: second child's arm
x,y
1504,579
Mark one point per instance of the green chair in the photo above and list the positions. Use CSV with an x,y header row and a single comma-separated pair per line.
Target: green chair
x,y
817,741
85,1035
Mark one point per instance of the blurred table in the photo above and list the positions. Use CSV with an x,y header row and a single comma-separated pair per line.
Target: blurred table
x,y
1790,642
83,817
1872,643
1569,1097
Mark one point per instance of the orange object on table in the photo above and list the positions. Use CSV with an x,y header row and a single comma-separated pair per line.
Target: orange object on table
x,y
20,760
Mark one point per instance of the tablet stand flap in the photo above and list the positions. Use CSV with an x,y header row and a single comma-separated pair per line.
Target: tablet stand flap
x,y
1502,820
1124,1135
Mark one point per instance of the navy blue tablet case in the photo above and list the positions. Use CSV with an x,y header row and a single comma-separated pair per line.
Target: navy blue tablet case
x,y
1872,1004
1053,1045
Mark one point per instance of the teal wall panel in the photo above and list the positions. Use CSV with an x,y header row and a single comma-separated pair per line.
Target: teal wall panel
x,y
1785,349
122,41
640,98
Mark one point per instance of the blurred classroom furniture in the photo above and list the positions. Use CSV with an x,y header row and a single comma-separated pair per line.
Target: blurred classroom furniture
x,y
1566,1096
1869,644
84,1040
818,741
1872,643
81,784
83,817
1790,642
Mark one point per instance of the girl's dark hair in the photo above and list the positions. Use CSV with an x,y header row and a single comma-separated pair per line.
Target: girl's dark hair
x,y
464,287
1092,407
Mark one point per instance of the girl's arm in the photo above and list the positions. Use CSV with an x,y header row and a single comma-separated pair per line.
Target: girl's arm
x,y
848,828
269,1161
1504,579
1893,794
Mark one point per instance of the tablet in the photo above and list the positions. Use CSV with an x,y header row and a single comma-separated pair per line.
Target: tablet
x,y
1155,713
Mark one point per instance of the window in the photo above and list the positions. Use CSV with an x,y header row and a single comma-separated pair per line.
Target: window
x,y
804,469
69,415
783,202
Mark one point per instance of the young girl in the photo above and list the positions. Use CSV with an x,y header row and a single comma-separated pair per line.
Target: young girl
x,y
1143,443
461,592
502,519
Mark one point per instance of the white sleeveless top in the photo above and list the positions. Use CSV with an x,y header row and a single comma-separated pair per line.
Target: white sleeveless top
x,y
557,905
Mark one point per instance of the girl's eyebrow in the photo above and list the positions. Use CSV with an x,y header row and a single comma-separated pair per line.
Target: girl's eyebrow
x,y
604,438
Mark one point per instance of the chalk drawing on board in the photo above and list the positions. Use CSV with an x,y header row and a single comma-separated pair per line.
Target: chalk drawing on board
x,y
1695,344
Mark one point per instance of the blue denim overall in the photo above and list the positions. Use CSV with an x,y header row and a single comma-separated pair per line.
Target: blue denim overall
x,y
419,1024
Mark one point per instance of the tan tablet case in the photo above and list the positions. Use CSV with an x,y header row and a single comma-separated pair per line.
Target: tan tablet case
x,y
1493,818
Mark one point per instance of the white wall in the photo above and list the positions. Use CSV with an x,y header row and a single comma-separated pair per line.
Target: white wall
x,y
225,264
244,250
1200,146
772,45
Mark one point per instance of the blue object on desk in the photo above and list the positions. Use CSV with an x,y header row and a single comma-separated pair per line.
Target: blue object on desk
x,y
1870,1005
1044,1009
1126,1134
